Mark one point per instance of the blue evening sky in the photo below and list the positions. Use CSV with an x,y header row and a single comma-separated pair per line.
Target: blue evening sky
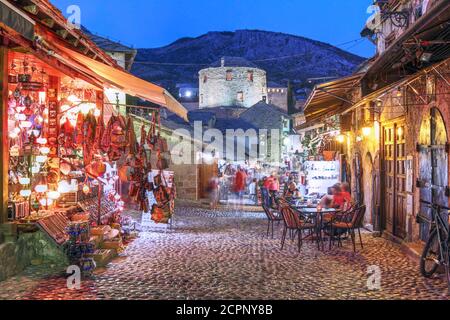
x,y
155,23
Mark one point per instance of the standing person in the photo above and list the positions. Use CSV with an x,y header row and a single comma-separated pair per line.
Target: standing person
x,y
266,191
213,189
252,188
240,183
274,188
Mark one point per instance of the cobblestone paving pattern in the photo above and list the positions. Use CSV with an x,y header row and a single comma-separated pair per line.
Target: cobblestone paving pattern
x,y
225,255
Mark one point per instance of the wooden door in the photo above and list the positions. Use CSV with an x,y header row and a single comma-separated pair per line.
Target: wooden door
x,y
394,186
433,164
207,171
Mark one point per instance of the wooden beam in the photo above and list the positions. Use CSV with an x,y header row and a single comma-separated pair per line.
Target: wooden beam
x,y
33,9
63,33
49,22
4,145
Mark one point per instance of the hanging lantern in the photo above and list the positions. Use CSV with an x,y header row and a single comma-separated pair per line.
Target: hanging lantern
x,y
24,181
41,141
46,202
41,188
35,169
65,168
53,195
44,150
97,113
64,187
25,193
117,197
25,124
41,159
86,189
20,117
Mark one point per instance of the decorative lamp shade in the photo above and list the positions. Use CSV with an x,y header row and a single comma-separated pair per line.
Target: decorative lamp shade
x,y
41,159
64,187
24,181
65,168
41,188
25,193
53,195
86,189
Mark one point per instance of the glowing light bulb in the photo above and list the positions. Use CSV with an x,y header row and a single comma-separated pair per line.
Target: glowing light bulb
x,y
20,117
340,138
64,187
97,113
53,195
25,193
41,188
41,140
13,135
86,189
45,150
25,124
46,202
24,181
41,159
117,197
35,169
366,131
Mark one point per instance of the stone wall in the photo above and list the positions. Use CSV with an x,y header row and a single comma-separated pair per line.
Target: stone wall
x,y
279,97
216,91
186,178
393,105
29,248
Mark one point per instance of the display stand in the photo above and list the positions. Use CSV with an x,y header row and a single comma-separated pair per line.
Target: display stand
x,y
320,175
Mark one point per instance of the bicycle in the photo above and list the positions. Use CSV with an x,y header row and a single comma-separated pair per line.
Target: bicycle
x,y
436,252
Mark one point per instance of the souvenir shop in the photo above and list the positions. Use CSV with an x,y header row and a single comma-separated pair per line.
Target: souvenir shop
x,y
72,158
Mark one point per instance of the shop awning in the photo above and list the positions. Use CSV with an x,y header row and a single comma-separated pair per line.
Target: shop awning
x,y
16,20
329,99
128,83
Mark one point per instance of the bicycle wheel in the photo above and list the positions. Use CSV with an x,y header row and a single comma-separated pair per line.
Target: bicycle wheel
x,y
431,256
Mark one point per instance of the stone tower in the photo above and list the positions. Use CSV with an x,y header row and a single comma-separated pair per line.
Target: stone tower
x,y
232,82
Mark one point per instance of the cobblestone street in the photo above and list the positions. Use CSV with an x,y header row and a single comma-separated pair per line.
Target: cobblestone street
x,y
225,255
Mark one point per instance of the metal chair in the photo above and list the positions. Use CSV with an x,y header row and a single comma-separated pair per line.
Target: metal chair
x,y
272,217
294,224
348,222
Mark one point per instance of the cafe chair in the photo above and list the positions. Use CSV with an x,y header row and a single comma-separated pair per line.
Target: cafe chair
x,y
294,224
272,217
348,222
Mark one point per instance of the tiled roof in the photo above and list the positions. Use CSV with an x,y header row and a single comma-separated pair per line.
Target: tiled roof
x,y
264,116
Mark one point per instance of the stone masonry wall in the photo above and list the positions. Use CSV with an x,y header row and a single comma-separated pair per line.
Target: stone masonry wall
x,y
29,248
216,91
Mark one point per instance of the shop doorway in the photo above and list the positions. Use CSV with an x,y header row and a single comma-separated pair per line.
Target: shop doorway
x,y
394,166
376,194
433,164
368,190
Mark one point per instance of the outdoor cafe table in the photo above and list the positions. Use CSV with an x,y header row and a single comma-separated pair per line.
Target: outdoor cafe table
x,y
317,215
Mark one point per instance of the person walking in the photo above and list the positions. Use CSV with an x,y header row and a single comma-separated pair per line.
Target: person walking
x,y
240,184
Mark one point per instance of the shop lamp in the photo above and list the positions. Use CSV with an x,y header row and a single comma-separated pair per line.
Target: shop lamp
x,y
340,138
39,119
36,133
25,124
53,195
400,132
13,135
41,188
86,189
46,202
45,150
24,181
359,139
367,131
73,99
41,140
97,113
64,187
35,169
42,97
20,117
25,193
16,130
41,159
117,197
